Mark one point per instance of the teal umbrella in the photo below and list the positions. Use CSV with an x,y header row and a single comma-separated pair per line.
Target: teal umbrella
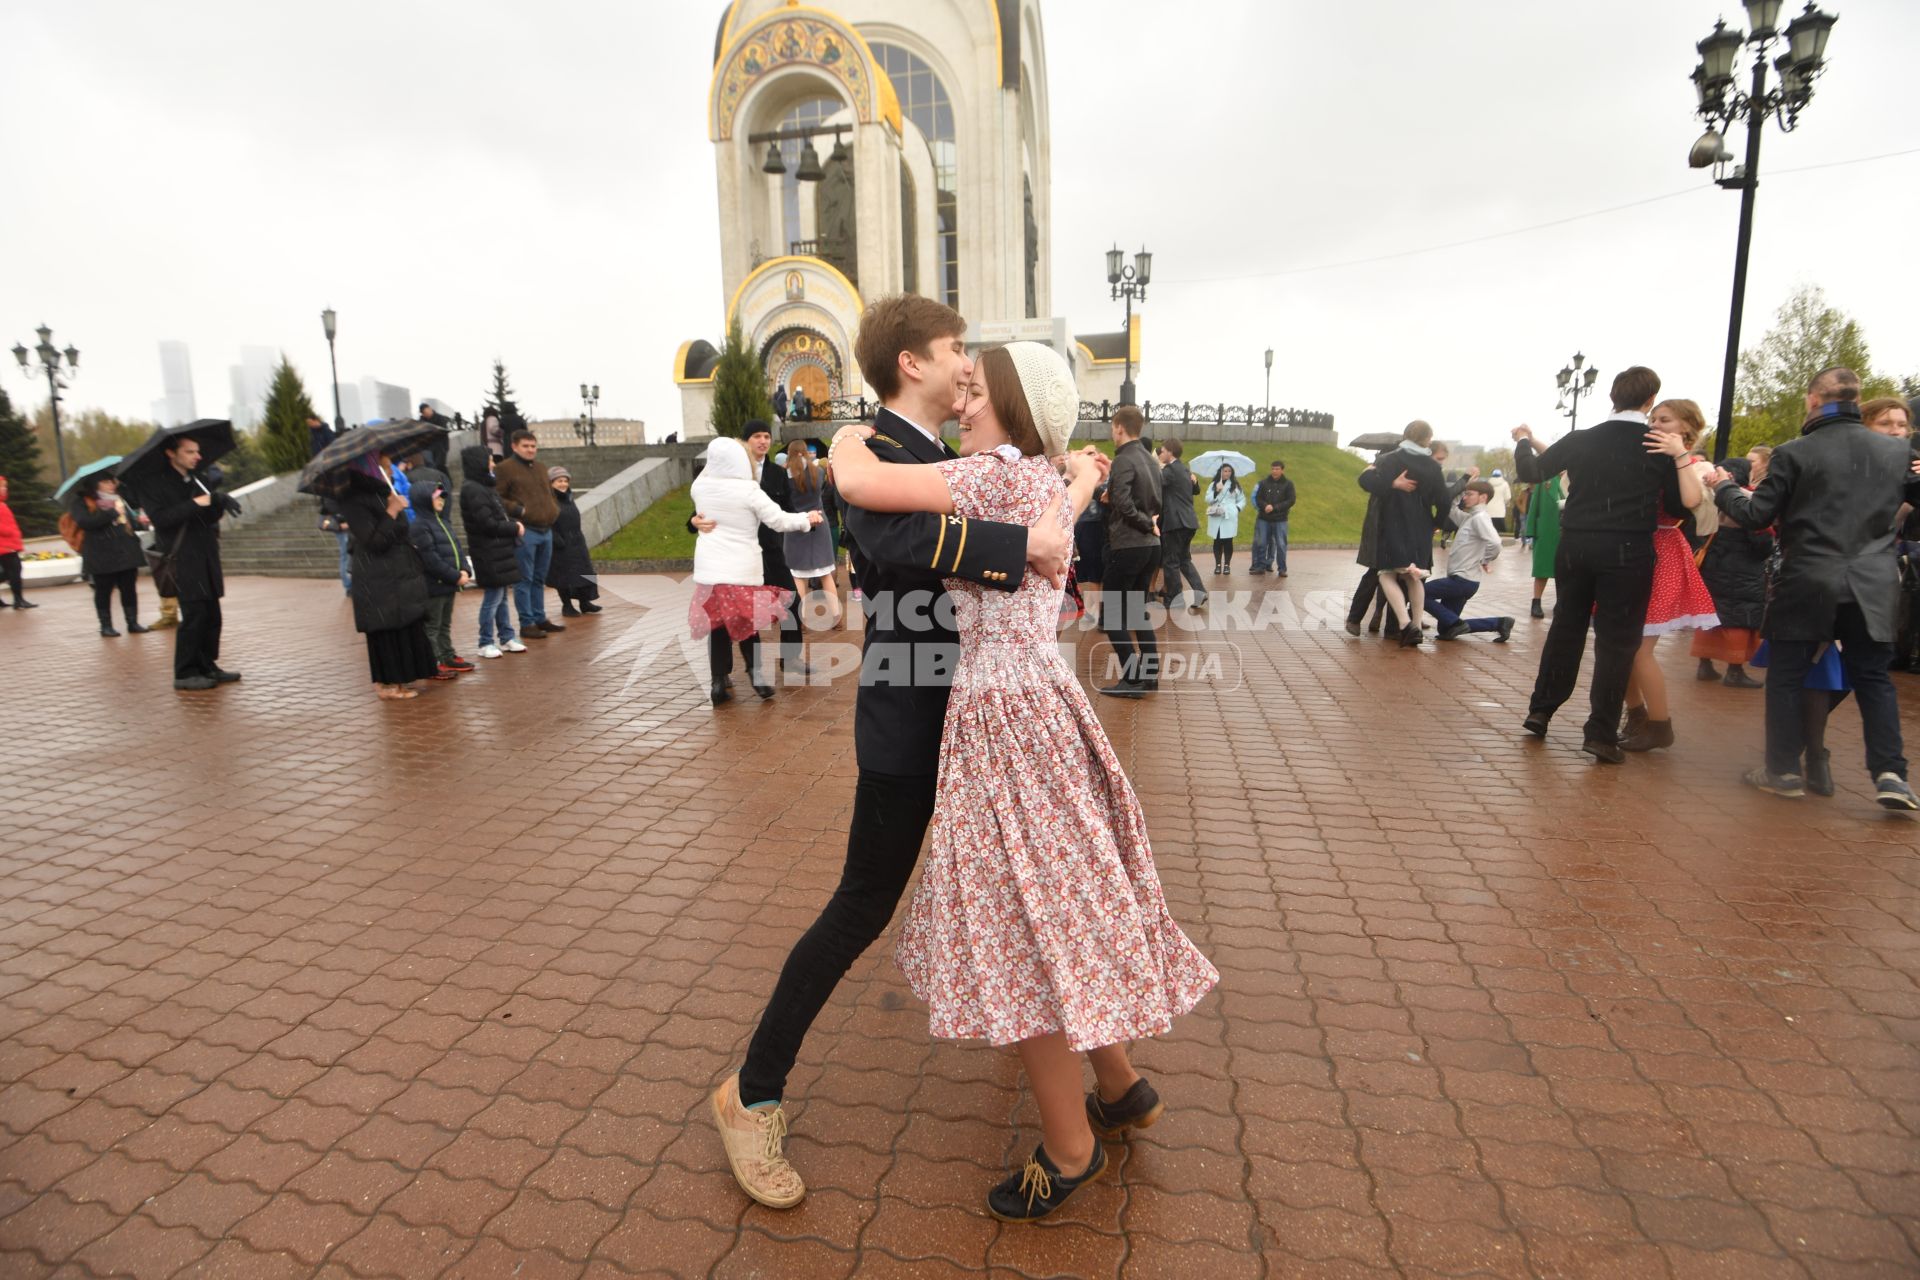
x,y
81,473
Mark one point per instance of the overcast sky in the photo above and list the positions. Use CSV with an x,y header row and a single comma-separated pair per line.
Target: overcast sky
x,y
464,180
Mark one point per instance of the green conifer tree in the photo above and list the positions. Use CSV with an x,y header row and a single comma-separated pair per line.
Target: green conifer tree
x,y
500,401
283,443
28,493
739,387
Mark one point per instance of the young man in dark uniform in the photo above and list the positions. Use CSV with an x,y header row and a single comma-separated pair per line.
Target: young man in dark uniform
x,y
911,353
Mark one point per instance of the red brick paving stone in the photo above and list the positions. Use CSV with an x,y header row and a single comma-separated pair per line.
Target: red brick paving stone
x,y
141,1247
491,1259
259,1162
288,1224
909,1232
646,1245
117,1182
35,1163
1056,1249
391,1247
755,1255
462,1206
569,1228
1151,1258
207,1206
54,1228
342,1179
238,1260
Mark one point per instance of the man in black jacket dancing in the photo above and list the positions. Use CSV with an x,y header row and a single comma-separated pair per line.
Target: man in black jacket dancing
x,y
1603,572
911,353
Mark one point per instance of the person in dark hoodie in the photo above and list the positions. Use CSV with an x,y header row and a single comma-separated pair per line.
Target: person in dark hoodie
x,y
110,550
492,536
389,590
571,573
424,473
446,570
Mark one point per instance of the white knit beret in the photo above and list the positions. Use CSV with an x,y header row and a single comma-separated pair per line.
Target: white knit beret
x,y
1052,398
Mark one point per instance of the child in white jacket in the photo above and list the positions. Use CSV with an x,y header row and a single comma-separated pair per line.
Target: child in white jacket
x,y
731,602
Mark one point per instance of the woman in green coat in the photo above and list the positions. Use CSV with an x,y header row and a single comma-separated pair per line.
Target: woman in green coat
x,y
1543,526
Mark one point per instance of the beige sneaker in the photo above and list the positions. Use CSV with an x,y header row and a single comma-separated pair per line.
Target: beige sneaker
x,y
753,1139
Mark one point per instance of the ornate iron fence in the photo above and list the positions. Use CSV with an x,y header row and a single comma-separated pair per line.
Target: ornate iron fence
x,y
1158,413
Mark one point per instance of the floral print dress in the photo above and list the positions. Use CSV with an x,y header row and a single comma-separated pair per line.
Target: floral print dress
x,y
1039,909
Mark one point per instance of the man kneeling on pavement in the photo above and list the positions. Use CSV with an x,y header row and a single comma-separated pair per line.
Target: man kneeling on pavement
x,y
1476,544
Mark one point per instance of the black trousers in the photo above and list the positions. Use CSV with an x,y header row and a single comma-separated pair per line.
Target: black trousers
x,y
890,817
791,635
123,581
11,572
1363,596
1865,660
1176,562
196,644
1222,552
1123,611
720,656
1602,579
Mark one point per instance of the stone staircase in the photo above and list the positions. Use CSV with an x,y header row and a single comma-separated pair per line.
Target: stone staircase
x,y
288,543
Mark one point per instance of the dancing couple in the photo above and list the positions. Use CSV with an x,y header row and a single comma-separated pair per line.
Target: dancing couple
x,y
1039,920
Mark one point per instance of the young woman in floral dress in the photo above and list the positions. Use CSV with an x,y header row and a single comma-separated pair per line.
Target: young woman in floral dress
x,y
1039,920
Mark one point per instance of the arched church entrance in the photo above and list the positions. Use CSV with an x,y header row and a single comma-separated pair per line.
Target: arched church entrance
x,y
806,359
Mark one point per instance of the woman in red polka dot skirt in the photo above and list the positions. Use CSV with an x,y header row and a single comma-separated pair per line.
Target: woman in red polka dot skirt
x,y
1680,600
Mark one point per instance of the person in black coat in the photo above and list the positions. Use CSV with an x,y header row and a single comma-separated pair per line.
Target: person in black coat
x,y
186,513
389,588
436,453
570,573
758,437
1413,501
445,566
1618,486
1734,567
110,550
491,538
1832,497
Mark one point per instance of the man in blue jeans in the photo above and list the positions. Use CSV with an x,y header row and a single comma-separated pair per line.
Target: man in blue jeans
x,y
1272,504
1832,497
1475,546
521,482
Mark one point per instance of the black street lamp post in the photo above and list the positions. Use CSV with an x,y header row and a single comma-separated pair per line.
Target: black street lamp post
x,y
589,397
1721,103
1573,384
1269,412
49,364
327,321
1128,282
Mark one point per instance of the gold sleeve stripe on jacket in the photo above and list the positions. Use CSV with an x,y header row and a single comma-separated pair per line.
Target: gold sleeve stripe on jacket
x,y
935,566
961,549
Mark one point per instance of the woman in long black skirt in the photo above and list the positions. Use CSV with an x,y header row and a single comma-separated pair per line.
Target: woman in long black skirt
x,y
389,588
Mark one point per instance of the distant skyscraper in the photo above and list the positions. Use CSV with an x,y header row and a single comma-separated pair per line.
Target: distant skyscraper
x,y
384,400
350,405
250,380
176,404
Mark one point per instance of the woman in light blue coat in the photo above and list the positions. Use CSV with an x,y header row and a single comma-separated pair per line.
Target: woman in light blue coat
x,y
1225,502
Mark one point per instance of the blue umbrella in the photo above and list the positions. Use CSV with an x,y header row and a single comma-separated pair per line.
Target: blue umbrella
x,y
1207,465
81,473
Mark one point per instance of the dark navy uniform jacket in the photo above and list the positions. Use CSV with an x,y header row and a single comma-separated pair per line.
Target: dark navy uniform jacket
x,y
911,647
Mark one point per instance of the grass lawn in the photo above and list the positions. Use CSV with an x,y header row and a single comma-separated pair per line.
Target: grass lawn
x,y
1329,508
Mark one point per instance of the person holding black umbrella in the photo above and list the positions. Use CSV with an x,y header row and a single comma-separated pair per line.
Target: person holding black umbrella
x,y
389,588
186,516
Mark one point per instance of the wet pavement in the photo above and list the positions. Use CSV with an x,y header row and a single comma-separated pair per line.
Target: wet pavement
x,y
294,982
